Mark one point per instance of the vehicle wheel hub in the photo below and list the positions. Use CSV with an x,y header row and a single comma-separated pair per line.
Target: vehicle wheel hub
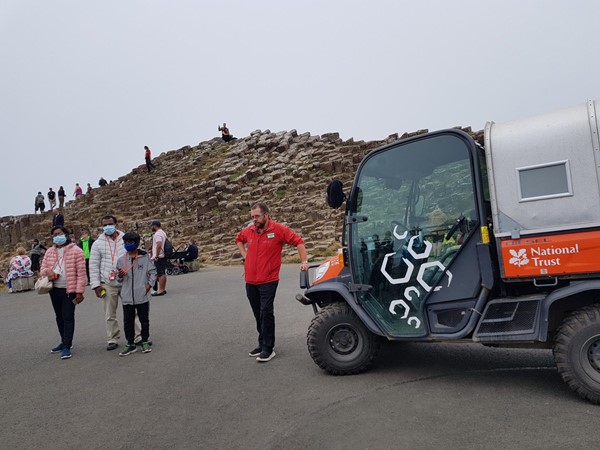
x,y
343,340
593,353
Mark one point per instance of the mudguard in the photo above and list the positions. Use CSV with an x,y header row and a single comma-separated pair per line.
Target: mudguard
x,y
558,294
342,289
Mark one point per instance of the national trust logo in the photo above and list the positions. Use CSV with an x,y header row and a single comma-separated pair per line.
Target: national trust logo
x,y
519,257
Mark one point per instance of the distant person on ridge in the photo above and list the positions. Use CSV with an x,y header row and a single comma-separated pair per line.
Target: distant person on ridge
x,y
39,203
102,182
58,220
225,134
61,197
78,191
89,189
148,157
51,199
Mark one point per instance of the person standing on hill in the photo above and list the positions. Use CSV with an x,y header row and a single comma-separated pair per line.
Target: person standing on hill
x,y
89,189
260,245
78,191
61,198
51,198
148,157
102,182
39,203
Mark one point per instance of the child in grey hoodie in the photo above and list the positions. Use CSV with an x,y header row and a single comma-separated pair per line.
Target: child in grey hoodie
x,y
137,273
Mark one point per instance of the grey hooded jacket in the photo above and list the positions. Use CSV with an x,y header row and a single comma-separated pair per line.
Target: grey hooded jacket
x,y
143,273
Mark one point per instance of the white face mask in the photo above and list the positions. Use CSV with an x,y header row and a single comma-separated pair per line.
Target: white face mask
x,y
61,239
109,229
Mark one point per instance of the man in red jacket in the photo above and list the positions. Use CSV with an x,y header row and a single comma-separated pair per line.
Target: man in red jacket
x,y
260,244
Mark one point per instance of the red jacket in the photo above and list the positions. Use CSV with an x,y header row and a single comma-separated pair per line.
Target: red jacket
x,y
263,257
74,267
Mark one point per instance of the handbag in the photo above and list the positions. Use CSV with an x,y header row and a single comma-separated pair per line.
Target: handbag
x,y
43,285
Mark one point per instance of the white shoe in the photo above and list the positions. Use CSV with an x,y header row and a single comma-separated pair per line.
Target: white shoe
x,y
263,357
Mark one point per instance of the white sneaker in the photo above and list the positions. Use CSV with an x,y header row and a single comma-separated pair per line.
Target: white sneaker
x,y
264,357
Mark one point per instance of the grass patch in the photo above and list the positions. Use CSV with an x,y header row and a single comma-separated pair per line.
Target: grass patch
x,y
238,174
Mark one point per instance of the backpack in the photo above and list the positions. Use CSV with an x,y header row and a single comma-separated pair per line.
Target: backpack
x,y
168,250
335,194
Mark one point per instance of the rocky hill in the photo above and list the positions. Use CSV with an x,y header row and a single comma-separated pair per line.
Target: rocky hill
x,y
205,192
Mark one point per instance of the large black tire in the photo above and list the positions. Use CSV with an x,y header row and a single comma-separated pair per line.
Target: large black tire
x,y
338,341
577,352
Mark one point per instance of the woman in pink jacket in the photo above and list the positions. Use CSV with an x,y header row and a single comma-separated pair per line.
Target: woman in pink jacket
x,y
64,264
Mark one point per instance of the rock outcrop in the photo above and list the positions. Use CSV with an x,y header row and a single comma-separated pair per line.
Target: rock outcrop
x,y
205,192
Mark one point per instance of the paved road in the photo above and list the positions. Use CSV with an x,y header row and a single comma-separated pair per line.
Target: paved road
x,y
199,389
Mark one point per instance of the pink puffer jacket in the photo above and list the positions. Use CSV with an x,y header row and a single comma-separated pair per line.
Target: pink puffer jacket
x,y
74,267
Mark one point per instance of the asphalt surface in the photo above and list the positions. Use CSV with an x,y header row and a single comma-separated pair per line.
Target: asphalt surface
x,y
199,389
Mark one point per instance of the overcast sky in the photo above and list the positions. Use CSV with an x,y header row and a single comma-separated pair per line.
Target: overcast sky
x,y
84,85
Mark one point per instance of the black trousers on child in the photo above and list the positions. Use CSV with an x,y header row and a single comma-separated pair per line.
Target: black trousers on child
x,y
143,312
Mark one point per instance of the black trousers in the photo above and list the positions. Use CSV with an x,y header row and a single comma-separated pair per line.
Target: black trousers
x,y
149,164
143,312
87,269
262,299
64,310
35,262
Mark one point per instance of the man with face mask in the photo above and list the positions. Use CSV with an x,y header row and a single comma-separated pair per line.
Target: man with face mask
x,y
105,253
260,244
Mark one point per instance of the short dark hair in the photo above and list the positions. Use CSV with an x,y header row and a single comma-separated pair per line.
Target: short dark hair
x,y
109,217
131,236
262,206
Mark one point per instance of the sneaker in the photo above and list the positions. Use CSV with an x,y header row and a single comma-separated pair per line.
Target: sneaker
x,y
266,356
57,349
140,343
254,353
111,346
128,350
66,353
146,347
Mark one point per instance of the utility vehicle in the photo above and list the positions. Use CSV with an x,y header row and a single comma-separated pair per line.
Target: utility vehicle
x,y
446,239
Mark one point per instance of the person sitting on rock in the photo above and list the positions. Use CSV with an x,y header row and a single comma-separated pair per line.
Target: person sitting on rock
x,y
225,134
102,182
20,267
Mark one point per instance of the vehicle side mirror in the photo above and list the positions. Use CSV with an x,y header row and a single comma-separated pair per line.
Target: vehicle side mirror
x,y
335,194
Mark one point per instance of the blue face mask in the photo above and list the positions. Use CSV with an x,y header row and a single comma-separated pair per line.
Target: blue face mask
x,y
130,247
61,239
109,229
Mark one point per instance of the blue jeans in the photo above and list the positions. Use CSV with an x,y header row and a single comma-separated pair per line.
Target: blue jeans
x,y
262,298
64,309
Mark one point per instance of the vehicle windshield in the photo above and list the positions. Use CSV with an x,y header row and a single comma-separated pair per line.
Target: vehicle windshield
x,y
420,207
